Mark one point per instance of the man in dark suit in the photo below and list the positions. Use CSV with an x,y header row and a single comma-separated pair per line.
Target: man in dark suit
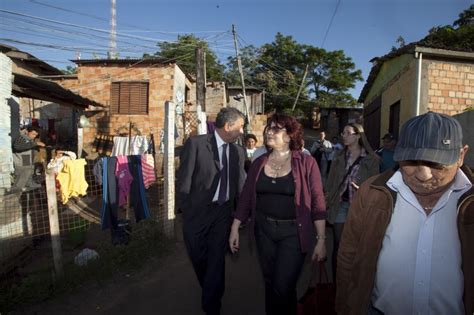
x,y
209,181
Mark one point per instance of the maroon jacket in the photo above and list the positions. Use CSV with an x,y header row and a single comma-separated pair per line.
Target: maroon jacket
x,y
309,197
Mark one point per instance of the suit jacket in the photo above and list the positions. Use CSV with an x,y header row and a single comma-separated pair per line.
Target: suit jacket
x,y
199,173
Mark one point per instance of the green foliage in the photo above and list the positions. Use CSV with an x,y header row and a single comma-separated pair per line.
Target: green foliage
x,y
279,67
183,51
69,70
459,36
466,17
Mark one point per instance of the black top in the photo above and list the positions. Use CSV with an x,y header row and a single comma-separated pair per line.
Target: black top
x,y
276,196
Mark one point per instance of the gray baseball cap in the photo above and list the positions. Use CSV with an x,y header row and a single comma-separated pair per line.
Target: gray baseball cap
x,y
431,137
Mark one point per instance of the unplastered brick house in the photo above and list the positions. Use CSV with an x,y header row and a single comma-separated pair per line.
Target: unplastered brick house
x,y
134,91
413,80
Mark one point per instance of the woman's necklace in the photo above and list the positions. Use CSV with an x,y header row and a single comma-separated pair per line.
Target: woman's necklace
x,y
277,168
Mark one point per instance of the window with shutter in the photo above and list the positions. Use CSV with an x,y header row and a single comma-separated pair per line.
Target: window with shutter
x,y
129,98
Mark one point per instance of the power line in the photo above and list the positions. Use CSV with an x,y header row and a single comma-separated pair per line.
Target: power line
x,y
330,23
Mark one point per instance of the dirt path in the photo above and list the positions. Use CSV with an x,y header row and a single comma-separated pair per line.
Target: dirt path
x,y
166,286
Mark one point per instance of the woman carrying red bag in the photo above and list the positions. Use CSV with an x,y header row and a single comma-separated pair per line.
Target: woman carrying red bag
x,y
284,202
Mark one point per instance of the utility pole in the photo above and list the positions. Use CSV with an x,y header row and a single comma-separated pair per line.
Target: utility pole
x,y
301,88
239,65
200,78
113,31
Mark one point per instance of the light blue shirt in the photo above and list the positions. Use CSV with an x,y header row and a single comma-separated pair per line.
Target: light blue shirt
x,y
220,144
419,266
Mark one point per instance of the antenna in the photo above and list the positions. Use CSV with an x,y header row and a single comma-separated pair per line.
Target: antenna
x,y
113,30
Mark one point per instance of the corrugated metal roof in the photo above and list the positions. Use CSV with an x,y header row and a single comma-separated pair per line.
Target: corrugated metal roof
x,y
14,53
27,86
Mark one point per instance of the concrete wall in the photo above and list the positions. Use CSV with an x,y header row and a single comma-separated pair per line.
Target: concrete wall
x,y
466,119
6,161
388,71
401,88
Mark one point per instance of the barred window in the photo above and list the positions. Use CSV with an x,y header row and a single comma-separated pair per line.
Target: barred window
x,y
129,98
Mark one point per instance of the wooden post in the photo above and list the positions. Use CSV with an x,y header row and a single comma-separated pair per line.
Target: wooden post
x,y
241,72
201,78
301,87
169,170
54,224
80,142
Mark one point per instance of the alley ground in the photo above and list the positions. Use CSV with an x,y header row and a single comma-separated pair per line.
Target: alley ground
x,y
168,286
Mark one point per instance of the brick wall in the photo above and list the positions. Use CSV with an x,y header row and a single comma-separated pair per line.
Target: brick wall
x,y
451,87
6,162
94,81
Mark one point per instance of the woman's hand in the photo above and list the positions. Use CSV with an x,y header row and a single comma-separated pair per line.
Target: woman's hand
x,y
234,241
319,253
234,244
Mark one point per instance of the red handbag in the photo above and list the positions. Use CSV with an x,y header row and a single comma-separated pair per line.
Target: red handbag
x,y
320,296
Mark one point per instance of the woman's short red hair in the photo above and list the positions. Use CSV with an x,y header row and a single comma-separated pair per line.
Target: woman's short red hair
x,y
293,129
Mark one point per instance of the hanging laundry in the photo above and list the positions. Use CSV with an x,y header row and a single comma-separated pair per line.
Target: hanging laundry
x,y
56,164
138,200
136,145
124,179
109,145
100,144
151,145
97,171
72,179
148,170
108,212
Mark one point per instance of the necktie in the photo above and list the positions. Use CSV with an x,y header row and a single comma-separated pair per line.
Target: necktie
x,y
221,199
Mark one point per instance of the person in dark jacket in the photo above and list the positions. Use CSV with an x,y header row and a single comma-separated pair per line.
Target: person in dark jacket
x,y
284,202
23,157
407,246
210,177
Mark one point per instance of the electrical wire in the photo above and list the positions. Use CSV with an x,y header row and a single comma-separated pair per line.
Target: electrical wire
x,y
330,23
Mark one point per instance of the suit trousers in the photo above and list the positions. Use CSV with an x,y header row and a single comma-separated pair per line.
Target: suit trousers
x,y
281,261
206,236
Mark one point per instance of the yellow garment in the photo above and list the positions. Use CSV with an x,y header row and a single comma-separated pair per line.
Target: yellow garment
x,y
72,179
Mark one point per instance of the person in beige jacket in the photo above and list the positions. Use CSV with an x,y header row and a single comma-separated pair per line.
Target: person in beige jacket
x,y
349,169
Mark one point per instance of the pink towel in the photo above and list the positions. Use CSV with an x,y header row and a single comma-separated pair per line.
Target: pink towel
x,y
124,178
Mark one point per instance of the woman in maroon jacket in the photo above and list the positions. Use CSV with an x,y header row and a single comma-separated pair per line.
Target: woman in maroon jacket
x,y
284,202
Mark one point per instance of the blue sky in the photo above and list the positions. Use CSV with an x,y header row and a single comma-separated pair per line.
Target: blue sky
x,y
362,28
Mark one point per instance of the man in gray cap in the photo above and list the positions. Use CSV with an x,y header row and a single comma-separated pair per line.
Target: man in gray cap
x,y
408,243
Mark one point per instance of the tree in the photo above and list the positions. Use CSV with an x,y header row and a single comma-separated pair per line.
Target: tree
x,y
400,41
466,17
279,68
248,58
459,36
69,70
183,51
